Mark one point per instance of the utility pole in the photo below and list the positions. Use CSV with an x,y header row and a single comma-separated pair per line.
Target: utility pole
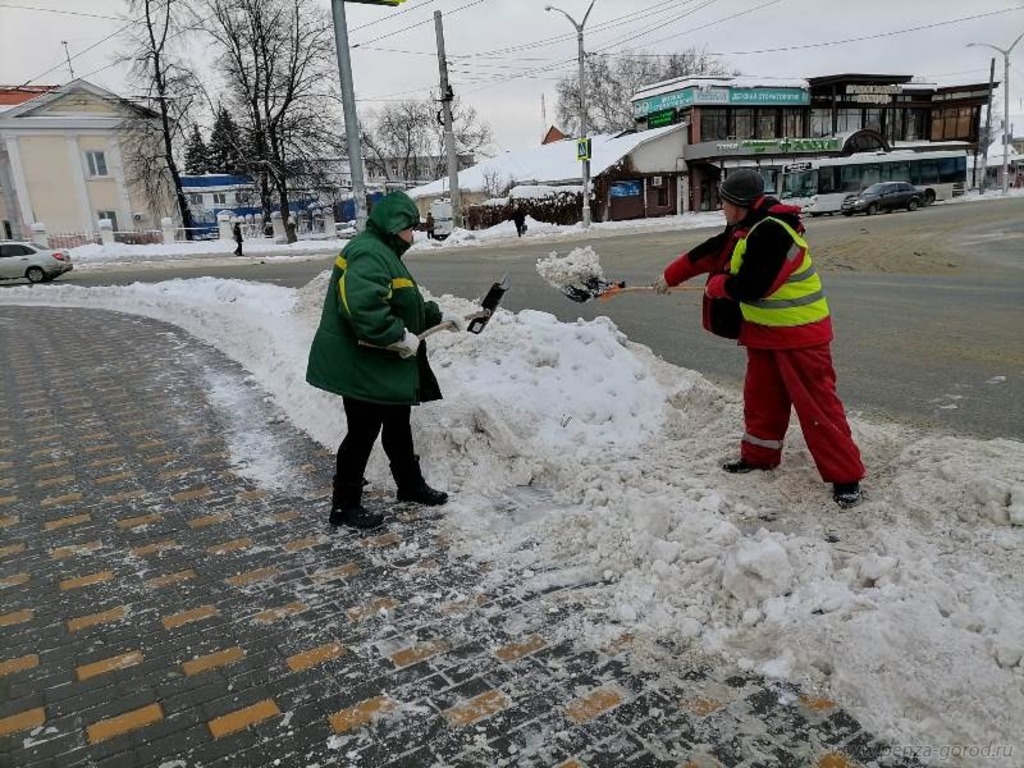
x,y
1006,101
447,96
583,101
988,129
348,102
67,53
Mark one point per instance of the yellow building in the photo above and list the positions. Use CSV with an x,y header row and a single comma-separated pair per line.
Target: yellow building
x,y
67,161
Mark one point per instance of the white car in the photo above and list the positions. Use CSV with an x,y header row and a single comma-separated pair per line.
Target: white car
x,y
32,262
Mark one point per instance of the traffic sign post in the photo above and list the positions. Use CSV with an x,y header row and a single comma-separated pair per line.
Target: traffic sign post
x,y
583,149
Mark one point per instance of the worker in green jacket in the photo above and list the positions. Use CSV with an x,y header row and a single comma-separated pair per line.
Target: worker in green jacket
x,y
366,349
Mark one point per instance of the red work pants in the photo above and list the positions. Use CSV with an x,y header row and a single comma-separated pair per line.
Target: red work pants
x,y
804,379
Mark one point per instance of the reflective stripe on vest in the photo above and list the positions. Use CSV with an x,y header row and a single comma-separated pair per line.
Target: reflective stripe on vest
x,y
342,264
798,301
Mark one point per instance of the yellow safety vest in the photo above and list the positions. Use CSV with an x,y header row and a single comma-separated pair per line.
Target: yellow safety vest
x,y
798,301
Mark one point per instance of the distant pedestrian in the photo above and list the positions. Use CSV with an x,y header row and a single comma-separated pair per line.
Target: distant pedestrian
x,y
430,225
238,238
519,217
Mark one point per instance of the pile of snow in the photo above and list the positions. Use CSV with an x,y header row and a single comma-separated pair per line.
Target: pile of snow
x,y
122,252
578,267
908,610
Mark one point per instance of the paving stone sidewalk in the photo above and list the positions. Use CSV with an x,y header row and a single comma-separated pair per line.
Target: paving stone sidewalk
x,y
160,609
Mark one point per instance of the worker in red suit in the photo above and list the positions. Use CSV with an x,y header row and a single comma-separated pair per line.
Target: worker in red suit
x,y
764,290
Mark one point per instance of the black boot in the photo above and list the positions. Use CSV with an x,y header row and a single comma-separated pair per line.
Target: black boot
x,y
347,508
742,466
846,495
412,486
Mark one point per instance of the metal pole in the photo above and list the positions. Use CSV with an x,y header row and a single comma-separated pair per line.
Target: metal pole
x,y
449,133
348,101
1006,115
988,128
583,126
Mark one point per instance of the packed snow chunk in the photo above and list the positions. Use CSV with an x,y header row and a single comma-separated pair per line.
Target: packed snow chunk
x,y
577,267
756,569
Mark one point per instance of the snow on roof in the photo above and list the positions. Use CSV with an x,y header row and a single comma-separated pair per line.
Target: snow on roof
x,y
553,163
723,81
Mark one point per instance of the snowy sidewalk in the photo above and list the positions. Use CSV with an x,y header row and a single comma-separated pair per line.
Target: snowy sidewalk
x,y
172,596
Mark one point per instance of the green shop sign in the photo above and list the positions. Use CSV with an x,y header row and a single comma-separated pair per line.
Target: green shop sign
x,y
721,96
759,146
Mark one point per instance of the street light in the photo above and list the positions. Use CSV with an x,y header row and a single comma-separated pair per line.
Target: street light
x,y
1006,99
583,104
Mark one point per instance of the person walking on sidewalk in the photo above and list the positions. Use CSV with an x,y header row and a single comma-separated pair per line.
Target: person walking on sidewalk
x,y
366,349
764,290
238,238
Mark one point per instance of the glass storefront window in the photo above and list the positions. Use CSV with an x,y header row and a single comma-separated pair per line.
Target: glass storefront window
x,y
792,123
873,119
743,123
767,119
848,120
821,123
714,124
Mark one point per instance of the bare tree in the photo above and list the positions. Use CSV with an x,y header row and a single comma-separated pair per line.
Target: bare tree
x,y
276,56
151,145
471,134
613,80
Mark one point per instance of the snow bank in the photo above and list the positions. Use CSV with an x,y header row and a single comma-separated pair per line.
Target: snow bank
x,y
122,252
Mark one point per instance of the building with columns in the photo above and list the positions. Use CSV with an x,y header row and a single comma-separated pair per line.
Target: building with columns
x,y
63,162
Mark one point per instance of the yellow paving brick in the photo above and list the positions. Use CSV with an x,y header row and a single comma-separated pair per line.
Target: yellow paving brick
x,y
361,612
595,703
203,522
243,718
835,760
120,498
114,663
251,577
284,517
149,444
44,438
93,436
23,721
47,466
171,578
100,463
417,653
71,550
137,522
12,549
100,448
86,581
173,474
514,651
64,522
300,544
187,617
702,705
195,493
379,542
213,660
250,495
59,501
16,617
361,714
14,580
477,708
7,522
578,764
50,482
818,703
311,658
229,546
103,617
126,723
11,666
276,614
108,479
340,572
155,547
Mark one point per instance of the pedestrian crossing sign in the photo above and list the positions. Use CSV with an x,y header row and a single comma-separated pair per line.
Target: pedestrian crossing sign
x,y
583,147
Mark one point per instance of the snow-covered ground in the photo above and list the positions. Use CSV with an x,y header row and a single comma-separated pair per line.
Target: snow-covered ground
x,y
909,609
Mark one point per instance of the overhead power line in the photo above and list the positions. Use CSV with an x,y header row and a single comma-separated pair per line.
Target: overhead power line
x,y
58,11
416,24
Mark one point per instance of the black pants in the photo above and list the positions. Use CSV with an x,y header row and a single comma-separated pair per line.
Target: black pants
x,y
365,422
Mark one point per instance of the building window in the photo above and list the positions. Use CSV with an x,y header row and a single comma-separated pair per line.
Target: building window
x,y
743,123
243,198
873,119
112,215
97,162
195,198
915,121
792,123
661,194
821,123
849,120
219,198
767,120
714,124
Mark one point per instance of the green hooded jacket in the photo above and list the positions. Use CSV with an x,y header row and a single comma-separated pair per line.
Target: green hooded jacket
x,y
372,297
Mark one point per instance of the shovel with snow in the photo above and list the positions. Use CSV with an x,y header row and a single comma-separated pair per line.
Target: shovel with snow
x,y
578,275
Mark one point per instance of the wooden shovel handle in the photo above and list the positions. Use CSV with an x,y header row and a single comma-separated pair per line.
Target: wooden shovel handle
x,y
445,326
616,290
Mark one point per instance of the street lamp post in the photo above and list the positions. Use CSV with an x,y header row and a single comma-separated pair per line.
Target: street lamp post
x,y
583,103
1006,101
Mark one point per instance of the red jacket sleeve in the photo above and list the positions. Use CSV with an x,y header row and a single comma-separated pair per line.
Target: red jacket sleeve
x,y
706,257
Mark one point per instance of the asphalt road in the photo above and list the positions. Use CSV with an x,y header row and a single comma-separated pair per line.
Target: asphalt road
x,y
927,306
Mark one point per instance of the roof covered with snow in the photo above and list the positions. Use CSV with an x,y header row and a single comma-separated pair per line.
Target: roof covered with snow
x,y
553,163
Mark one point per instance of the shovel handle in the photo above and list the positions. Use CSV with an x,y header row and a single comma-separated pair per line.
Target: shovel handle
x,y
448,325
616,290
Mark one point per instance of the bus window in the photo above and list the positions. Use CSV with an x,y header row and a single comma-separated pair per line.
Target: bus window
x,y
949,170
871,173
849,178
928,172
826,181
897,171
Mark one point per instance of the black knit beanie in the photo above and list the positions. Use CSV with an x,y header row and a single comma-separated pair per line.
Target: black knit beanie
x,y
742,187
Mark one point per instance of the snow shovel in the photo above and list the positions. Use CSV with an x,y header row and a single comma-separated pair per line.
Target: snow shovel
x,y
476,321
596,288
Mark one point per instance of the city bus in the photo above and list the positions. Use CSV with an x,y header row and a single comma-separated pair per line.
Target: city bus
x,y
820,185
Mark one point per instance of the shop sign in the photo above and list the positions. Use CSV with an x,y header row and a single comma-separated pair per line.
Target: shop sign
x,y
661,118
760,146
711,96
625,189
872,94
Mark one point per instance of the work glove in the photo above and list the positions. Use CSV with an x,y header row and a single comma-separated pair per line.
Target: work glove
x,y
406,346
661,286
715,289
458,322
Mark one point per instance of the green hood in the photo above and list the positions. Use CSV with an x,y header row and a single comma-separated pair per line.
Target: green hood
x,y
395,212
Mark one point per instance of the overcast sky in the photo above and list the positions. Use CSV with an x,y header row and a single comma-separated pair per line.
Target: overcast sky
x,y
479,35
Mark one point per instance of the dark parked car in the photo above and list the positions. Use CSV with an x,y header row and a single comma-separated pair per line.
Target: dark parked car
x,y
884,196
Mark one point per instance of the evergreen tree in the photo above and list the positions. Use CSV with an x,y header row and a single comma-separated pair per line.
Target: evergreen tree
x,y
196,154
225,154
